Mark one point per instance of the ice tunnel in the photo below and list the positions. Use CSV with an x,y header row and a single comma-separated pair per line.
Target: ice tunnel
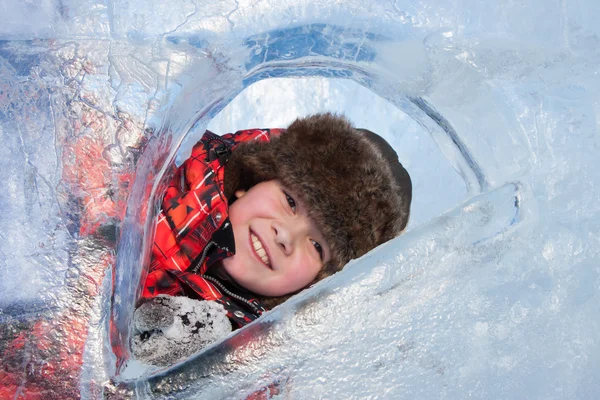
x,y
491,293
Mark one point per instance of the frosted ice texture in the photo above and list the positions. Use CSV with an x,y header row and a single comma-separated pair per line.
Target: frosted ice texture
x,y
492,293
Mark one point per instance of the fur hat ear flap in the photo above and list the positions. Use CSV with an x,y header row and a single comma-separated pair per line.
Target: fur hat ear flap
x,y
399,173
250,164
356,190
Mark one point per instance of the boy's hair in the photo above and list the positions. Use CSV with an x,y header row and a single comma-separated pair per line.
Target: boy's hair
x,y
355,189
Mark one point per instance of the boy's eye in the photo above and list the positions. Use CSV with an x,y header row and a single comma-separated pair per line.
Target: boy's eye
x,y
319,248
290,201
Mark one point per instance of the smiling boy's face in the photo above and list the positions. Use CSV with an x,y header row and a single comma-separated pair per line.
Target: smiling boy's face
x,y
279,249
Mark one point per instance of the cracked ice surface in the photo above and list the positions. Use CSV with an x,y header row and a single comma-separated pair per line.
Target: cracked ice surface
x,y
493,292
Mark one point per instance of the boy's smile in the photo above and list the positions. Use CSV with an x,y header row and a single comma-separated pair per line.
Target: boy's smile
x,y
259,249
279,249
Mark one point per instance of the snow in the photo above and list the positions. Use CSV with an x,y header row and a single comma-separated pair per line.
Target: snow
x,y
168,329
493,108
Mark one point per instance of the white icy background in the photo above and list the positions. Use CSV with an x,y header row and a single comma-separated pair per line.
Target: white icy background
x,y
476,303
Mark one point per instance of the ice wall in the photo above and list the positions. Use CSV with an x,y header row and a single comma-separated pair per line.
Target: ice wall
x,y
491,294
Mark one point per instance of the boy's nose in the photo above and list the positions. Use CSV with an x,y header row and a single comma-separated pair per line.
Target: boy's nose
x,y
288,233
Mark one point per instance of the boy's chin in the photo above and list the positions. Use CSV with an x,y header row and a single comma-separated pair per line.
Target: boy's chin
x,y
260,290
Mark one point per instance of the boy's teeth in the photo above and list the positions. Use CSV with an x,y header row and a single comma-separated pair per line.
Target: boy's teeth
x,y
259,249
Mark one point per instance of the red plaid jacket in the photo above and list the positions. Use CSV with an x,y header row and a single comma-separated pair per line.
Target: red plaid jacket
x,y
193,230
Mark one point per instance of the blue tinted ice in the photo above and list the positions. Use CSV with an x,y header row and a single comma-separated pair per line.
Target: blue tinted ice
x,y
492,107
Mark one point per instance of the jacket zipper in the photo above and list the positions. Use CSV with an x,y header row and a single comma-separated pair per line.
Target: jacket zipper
x,y
229,293
196,265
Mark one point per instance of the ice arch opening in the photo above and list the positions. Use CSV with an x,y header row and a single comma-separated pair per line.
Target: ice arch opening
x,y
446,171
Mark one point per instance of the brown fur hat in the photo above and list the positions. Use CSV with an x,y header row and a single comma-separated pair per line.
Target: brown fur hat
x,y
351,181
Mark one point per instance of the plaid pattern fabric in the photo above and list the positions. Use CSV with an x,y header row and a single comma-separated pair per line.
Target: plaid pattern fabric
x,y
194,209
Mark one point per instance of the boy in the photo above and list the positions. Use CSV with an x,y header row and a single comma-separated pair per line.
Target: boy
x,y
254,217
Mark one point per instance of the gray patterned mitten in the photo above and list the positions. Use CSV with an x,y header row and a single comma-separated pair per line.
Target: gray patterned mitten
x,y
169,328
